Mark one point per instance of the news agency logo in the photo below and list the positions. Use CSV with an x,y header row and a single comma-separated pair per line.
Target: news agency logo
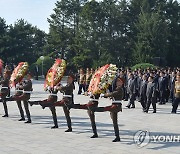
x,y
143,138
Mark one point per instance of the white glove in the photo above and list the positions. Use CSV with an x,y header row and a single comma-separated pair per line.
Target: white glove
x,y
102,95
55,87
48,88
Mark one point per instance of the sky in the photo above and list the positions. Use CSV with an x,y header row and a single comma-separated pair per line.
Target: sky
x,y
35,12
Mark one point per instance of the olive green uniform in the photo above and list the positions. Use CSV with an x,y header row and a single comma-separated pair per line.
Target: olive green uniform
x,y
5,91
25,96
116,96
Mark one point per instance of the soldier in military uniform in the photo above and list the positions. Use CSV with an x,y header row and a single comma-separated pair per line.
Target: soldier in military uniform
x,y
5,90
88,78
51,99
82,80
116,95
26,86
19,91
90,107
176,94
67,100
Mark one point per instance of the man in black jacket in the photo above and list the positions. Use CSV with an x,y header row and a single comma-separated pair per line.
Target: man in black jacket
x,y
151,94
131,90
172,85
138,81
142,91
163,86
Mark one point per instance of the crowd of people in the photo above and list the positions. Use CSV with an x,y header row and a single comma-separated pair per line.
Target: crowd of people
x,y
148,86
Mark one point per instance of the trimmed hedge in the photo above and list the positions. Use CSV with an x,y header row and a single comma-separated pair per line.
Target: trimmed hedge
x,y
143,66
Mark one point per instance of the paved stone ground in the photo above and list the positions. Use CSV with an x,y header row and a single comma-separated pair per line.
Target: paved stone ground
x,y
36,138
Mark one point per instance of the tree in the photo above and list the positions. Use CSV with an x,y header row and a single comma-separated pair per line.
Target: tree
x,y
23,42
152,35
173,20
3,40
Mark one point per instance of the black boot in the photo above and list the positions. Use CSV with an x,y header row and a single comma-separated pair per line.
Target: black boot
x,y
22,119
69,130
27,122
31,103
128,106
6,115
132,107
94,136
44,105
54,127
117,139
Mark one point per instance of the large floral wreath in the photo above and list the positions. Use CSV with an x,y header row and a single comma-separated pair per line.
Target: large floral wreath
x,y
1,66
102,78
18,74
55,73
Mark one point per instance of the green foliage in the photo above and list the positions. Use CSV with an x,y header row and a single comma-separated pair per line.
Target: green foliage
x,y
32,69
20,42
152,35
173,17
47,63
93,33
143,66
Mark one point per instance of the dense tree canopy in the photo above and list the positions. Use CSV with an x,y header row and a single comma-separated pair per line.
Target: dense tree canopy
x,y
21,42
92,33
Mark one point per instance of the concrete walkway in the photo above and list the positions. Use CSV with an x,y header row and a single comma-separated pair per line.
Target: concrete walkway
x,y
37,138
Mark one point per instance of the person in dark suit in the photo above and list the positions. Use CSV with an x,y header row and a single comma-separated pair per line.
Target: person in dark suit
x,y
131,90
122,75
167,92
139,82
151,95
163,86
172,85
142,92
126,95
